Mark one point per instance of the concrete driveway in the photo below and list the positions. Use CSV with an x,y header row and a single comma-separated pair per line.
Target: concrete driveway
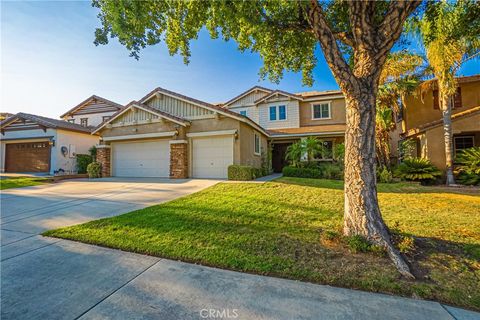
x,y
46,278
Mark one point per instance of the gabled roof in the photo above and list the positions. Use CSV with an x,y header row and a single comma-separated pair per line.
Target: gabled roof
x,y
136,104
308,94
84,102
243,94
279,92
439,122
206,105
46,122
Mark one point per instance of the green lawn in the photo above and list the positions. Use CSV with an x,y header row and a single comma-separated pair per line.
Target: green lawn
x,y
14,182
291,228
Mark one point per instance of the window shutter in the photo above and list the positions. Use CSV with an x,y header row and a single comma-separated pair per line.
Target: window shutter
x,y
436,104
457,99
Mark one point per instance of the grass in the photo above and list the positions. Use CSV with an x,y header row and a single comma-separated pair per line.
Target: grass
x,y
19,182
291,228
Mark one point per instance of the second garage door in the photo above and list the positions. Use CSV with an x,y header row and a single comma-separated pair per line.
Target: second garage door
x,y
141,159
211,156
27,157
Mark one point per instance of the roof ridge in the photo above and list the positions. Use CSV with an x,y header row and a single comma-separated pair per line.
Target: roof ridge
x,y
93,96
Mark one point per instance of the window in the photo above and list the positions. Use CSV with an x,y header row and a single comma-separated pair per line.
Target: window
x,y
273,113
256,144
326,152
84,122
321,111
243,113
71,120
463,142
105,118
282,113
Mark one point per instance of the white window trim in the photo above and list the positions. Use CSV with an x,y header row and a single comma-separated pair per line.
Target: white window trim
x,y
455,142
277,113
329,103
255,135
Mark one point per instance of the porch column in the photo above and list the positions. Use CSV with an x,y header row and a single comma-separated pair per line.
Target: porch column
x,y
178,159
103,157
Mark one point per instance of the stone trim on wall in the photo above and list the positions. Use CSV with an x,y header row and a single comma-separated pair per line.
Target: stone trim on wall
x,y
178,159
103,157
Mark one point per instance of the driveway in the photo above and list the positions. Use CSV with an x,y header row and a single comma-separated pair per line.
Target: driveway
x,y
46,278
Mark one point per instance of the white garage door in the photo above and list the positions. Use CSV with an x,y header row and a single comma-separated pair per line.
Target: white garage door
x,y
141,159
211,156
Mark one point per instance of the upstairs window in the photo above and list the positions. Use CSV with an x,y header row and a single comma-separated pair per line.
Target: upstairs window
x,y
256,144
282,113
243,113
273,113
84,122
321,111
105,118
71,120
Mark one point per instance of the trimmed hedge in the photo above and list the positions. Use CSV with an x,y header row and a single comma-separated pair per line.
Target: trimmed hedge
x,y
83,160
244,173
94,170
315,171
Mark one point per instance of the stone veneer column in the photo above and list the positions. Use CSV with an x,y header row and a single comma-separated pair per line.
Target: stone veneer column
x,y
178,159
103,157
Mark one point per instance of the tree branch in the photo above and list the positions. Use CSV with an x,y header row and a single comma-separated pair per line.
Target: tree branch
x,y
346,38
333,55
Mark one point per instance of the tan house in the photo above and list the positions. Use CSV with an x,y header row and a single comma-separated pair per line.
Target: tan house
x,y
422,120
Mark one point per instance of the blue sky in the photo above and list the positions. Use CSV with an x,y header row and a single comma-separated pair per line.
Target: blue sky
x,y
49,63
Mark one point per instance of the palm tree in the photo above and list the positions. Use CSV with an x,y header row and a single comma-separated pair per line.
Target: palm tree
x,y
312,147
449,33
294,153
400,76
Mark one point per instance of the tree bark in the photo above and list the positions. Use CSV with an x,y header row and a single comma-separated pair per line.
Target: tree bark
x,y
362,215
448,136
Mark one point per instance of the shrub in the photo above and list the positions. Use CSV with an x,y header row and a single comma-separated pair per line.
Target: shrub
x,y
468,170
339,152
417,169
385,176
94,170
244,173
93,152
83,160
331,171
313,173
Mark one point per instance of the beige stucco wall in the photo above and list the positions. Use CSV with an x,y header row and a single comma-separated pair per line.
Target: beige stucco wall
x,y
338,112
247,141
418,112
432,142
81,142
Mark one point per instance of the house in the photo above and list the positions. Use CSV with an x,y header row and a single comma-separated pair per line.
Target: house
x,y
290,117
423,122
32,143
167,134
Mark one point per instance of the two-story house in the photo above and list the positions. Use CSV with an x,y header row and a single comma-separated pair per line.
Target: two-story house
x,y
32,143
289,117
422,120
167,134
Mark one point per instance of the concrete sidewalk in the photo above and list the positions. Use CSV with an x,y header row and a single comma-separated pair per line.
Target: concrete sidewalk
x,y
70,280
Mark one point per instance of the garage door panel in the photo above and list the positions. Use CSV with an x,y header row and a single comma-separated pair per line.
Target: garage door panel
x,y
141,159
212,156
27,157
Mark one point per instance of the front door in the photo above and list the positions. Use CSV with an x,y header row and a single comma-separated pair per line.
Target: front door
x,y
278,156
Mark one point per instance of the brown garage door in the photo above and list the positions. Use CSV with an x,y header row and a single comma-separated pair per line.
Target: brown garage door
x,y
27,157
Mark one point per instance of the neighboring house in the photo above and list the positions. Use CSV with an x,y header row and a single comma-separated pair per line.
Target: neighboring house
x,y
422,120
290,117
31,143
91,112
166,134
5,115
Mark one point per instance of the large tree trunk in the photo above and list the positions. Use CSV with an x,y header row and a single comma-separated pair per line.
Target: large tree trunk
x,y
362,214
448,136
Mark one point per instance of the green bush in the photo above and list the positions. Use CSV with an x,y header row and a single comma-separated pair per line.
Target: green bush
x,y
468,170
83,160
324,170
93,152
417,169
244,173
384,175
331,170
313,173
94,170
